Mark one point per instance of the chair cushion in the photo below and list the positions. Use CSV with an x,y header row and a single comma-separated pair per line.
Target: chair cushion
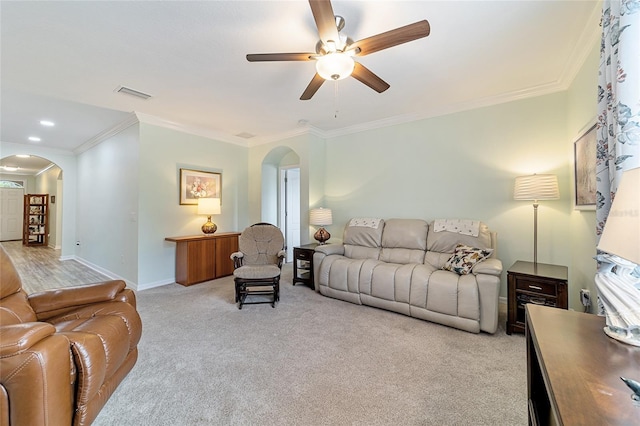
x,y
261,244
249,272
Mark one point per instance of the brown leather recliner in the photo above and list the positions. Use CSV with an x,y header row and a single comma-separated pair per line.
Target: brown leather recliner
x,y
63,352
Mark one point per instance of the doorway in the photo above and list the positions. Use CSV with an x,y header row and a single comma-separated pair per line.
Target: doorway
x,y
11,213
290,208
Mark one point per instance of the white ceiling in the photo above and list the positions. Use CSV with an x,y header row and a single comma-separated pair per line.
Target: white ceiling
x,y
63,61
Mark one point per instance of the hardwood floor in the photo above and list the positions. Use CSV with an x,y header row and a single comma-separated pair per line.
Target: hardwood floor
x,y
40,268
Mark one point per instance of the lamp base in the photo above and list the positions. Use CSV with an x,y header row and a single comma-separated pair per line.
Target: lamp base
x,y
322,235
209,227
623,335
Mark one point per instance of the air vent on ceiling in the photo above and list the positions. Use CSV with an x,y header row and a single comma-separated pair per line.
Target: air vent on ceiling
x,y
132,92
245,135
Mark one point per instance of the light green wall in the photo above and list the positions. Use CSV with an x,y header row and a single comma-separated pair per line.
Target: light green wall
x,y
107,189
47,183
460,166
162,153
582,107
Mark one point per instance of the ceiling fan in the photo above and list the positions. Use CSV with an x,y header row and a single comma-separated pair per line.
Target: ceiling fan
x,y
335,51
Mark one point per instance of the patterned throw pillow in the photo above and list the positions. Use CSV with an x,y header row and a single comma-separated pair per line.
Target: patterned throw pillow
x,y
464,257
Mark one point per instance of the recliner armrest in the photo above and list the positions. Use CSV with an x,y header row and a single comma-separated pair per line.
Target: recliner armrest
x,y
489,266
53,302
36,375
17,338
328,249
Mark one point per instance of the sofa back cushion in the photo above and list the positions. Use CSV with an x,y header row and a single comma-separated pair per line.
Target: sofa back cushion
x,y
14,307
363,237
404,241
442,244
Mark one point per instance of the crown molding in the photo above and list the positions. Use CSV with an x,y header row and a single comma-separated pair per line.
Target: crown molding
x,y
589,37
192,130
106,134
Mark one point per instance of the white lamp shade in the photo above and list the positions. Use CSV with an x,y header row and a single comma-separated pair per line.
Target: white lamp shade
x,y
335,66
536,187
320,217
208,206
621,234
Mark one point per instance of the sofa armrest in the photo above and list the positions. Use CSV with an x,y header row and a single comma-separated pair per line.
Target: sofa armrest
x,y
36,375
328,249
489,266
54,302
17,338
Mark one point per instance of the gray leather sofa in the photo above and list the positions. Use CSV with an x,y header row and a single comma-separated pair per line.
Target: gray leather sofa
x,y
397,265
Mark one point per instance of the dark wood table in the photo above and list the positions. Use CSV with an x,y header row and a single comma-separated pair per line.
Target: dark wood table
x,y
574,369
303,264
538,283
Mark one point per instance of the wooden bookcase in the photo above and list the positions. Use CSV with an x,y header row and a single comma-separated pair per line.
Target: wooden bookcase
x,y
35,228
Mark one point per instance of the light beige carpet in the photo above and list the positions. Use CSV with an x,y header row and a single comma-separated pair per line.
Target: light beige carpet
x,y
311,361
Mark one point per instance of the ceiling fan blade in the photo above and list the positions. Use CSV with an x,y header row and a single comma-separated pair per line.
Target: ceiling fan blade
x,y
364,75
312,88
325,20
391,38
262,57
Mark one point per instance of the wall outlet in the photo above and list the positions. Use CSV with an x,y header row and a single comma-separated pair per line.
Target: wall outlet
x,y
585,297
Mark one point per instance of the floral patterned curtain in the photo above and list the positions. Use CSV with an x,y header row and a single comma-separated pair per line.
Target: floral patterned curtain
x,y
618,124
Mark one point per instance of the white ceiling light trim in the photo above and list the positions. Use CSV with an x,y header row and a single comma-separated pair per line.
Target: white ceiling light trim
x,y
47,123
335,66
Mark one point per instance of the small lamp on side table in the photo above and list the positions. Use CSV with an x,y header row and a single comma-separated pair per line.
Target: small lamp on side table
x,y
321,217
208,207
618,278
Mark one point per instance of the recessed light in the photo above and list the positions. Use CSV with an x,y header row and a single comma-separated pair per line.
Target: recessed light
x,y
47,123
23,156
34,139
10,168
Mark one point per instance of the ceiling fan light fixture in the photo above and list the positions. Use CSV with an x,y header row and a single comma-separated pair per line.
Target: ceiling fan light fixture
x,y
335,66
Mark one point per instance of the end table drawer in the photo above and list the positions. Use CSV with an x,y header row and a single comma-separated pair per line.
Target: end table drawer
x,y
538,286
303,254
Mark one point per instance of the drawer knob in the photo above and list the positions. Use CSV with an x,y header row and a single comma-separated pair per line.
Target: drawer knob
x,y
535,287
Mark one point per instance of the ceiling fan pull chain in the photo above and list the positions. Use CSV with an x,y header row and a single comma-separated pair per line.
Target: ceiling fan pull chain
x,y
335,99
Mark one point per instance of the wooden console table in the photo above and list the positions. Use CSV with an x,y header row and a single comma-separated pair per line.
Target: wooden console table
x,y
574,369
204,257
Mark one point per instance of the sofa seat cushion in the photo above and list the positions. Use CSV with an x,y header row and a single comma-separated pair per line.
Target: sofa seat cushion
x,y
249,272
389,281
452,294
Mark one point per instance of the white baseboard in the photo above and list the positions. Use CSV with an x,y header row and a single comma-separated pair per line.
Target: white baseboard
x,y
502,300
160,283
101,270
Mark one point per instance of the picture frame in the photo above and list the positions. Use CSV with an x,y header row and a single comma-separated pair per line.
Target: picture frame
x,y
584,173
196,184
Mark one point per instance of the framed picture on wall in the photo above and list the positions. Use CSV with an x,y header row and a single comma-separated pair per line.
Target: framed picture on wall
x,y
196,184
584,155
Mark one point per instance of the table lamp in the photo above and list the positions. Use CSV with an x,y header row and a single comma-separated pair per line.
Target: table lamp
x,y
534,188
618,277
321,217
208,207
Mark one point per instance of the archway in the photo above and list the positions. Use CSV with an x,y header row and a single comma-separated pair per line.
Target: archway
x,y
281,194
30,174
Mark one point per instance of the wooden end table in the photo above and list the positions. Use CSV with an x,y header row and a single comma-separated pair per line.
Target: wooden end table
x,y
540,284
303,264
